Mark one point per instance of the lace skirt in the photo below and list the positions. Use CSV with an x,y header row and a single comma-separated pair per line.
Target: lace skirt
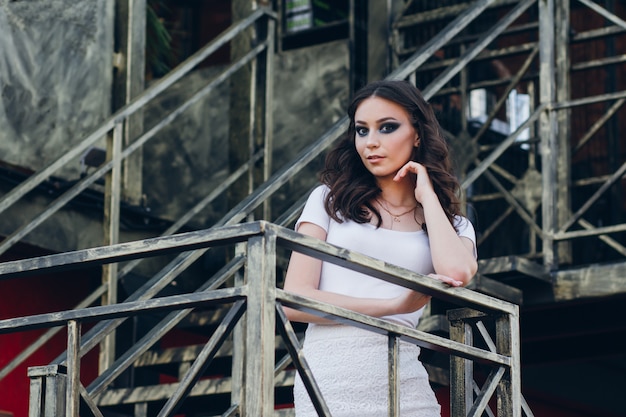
x,y
350,367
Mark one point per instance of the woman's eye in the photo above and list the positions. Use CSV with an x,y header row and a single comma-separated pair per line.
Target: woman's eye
x,y
389,127
361,131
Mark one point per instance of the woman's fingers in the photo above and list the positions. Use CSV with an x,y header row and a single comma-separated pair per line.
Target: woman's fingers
x,y
450,281
410,166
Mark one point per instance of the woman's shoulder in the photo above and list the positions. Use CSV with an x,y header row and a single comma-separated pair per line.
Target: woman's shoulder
x,y
318,195
314,210
321,190
460,220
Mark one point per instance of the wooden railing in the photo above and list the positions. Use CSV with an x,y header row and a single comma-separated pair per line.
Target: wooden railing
x,y
56,390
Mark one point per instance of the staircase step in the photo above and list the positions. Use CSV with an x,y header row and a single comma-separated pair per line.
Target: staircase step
x,y
438,375
495,288
509,268
178,355
162,392
436,323
188,354
202,319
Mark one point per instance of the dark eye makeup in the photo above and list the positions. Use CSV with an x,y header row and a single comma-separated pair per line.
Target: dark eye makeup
x,y
384,128
389,127
361,131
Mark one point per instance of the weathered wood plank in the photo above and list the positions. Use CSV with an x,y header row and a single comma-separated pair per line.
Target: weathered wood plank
x,y
449,32
121,310
496,289
509,265
437,375
131,250
388,272
164,391
380,326
299,360
434,324
461,370
188,353
592,281
260,325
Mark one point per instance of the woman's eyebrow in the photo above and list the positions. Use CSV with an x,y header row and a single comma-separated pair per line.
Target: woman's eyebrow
x,y
384,119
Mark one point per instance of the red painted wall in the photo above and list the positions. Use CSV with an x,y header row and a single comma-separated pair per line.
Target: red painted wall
x,y
34,295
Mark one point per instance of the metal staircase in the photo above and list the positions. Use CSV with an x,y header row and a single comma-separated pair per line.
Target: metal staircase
x,y
514,179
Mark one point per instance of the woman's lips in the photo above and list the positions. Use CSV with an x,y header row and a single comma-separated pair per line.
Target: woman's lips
x,y
374,158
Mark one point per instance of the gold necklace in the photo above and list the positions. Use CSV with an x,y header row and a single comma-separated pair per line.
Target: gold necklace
x,y
395,217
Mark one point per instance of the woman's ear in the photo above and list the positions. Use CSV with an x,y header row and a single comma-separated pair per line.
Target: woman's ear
x,y
416,143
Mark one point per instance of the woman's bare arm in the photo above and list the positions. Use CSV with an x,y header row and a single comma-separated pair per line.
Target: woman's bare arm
x,y
303,278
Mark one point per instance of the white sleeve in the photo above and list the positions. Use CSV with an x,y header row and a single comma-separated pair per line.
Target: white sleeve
x,y
465,229
314,211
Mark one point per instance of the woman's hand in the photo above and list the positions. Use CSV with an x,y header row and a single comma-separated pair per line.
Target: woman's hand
x,y
453,256
423,185
412,301
450,281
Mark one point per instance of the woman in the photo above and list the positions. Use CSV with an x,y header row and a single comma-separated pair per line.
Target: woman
x,y
387,192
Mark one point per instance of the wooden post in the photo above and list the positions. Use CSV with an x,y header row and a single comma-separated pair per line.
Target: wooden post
x,y
461,370
563,93
238,377
266,79
72,405
241,102
260,326
47,391
547,130
393,371
129,82
380,16
509,389
141,410
111,236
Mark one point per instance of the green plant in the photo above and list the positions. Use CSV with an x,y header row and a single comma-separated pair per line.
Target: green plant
x,y
159,52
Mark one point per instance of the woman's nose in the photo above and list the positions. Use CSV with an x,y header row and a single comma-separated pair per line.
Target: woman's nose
x,y
372,140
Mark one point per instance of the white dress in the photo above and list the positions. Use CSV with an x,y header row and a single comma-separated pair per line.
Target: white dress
x,y
350,364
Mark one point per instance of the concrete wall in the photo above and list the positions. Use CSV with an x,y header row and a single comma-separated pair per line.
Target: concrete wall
x,y
55,76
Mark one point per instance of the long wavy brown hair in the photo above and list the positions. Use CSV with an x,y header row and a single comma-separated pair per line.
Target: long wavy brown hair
x,y
353,188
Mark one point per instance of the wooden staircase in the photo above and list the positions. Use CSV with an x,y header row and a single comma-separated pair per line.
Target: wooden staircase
x,y
523,275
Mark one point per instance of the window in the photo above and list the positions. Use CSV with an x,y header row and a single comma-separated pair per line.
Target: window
x,y
310,22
